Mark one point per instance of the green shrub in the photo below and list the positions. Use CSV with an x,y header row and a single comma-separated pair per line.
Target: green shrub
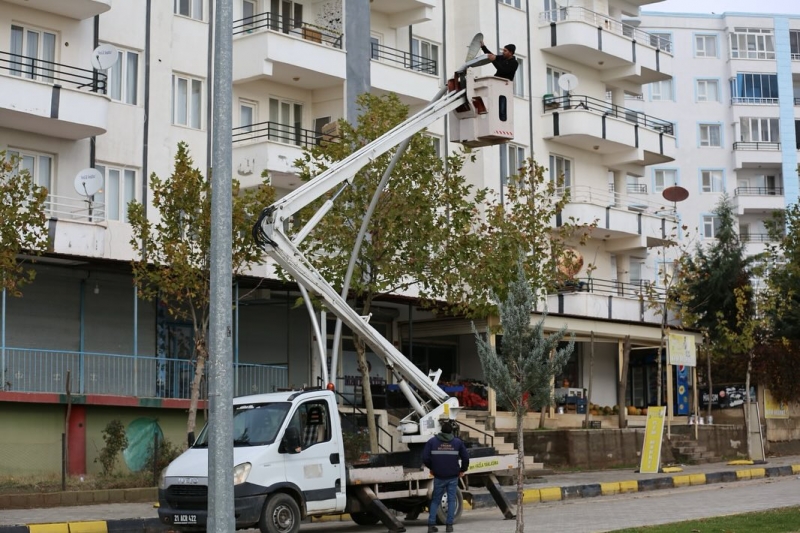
x,y
116,441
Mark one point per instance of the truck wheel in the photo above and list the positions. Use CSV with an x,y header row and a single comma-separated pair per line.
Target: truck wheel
x,y
365,518
280,515
441,514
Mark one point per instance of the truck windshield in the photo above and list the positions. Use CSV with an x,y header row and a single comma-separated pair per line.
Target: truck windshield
x,y
253,424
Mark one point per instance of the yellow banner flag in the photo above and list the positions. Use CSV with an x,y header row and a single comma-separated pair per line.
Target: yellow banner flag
x,y
654,430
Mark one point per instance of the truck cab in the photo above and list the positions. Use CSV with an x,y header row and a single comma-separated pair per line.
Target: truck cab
x,y
288,464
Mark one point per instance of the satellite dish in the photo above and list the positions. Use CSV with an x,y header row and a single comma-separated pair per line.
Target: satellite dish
x,y
474,47
568,82
104,56
675,194
88,181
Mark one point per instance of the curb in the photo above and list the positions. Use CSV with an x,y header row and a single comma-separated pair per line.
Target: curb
x,y
124,525
547,494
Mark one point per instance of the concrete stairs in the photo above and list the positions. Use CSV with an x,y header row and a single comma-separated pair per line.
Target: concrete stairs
x,y
476,426
688,451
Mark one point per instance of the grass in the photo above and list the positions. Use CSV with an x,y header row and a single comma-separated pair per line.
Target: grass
x,y
40,484
785,520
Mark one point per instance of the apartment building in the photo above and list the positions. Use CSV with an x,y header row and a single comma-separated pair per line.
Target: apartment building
x,y
733,103
298,66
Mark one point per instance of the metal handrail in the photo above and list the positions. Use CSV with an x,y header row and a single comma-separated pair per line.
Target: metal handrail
x,y
484,433
756,237
636,188
611,287
364,413
50,72
600,197
289,26
604,22
757,146
71,208
758,191
401,57
595,105
284,133
754,100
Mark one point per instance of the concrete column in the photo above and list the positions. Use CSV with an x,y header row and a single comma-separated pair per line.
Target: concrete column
x,y
356,42
620,183
623,268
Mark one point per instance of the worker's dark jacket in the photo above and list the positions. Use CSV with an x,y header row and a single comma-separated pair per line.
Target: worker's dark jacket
x,y
506,68
441,455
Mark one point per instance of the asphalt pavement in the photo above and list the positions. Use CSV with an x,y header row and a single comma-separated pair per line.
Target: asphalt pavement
x,y
573,488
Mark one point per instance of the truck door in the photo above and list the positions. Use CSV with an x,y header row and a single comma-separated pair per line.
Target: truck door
x,y
318,469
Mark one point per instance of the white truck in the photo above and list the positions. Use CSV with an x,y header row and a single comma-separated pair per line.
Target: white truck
x,y
288,446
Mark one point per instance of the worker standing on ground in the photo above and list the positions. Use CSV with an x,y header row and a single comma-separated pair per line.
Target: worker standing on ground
x,y
441,455
505,64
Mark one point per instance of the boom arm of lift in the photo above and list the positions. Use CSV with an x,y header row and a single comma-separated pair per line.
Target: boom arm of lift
x,y
270,232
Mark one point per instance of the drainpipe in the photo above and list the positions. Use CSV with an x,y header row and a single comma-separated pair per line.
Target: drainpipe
x,y
135,341
81,331
146,129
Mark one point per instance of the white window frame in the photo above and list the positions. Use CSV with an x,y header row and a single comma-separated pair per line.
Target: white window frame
x,y
193,106
707,90
661,40
552,76
120,91
249,24
512,158
39,177
436,142
752,43
657,90
519,78
512,3
760,129
123,184
31,67
663,178
706,138
712,181
427,50
253,107
794,44
558,165
701,41
711,225
281,129
193,9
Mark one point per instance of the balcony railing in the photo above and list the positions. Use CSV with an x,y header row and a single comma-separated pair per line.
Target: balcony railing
x,y
282,133
638,288
773,147
597,196
32,370
574,13
406,59
67,208
33,68
758,191
289,26
595,105
752,100
756,237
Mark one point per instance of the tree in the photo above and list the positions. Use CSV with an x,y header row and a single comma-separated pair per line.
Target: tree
x,y
419,234
523,370
174,264
23,224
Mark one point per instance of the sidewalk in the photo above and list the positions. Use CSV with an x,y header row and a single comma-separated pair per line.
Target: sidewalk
x,y
143,517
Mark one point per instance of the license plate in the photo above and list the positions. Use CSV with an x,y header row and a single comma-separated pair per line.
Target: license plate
x,y
184,519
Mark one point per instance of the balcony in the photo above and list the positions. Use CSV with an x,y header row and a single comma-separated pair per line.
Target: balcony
x,y
393,68
404,12
624,222
758,200
74,9
623,136
45,371
51,99
756,243
288,51
608,300
272,147
753,100
757,155
623,54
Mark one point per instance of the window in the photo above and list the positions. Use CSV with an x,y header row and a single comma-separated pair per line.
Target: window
x,y
33,52
118,191
553,75
187,101
519,79
249,9
123,78
707,91
711,226
752,43
764,130
705,46
711,180
513,3
663,178
436,142
554,12
425,56
661,90
512,158
374,48
247,115
662,41
794,44
561,168
39,166
320,123
749,88
189,8
710,135
285,15
287,121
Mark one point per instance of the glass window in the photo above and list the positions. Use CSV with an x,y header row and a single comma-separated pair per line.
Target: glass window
x,y
287,119
33,53
757,129
663,178
705,46
711,180
561,168
189,8
710,135
119,190
512,157
247,115
707,91
519,78
123,78
752,88
424,56
39,166
514,3
553,75
662,41
187,101
794,44
752,43
711,226
661,90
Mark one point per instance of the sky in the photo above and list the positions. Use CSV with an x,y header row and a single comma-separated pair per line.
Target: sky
x,y
720,6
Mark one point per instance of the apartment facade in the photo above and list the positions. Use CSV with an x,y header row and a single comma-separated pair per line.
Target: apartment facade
x,y
298,66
